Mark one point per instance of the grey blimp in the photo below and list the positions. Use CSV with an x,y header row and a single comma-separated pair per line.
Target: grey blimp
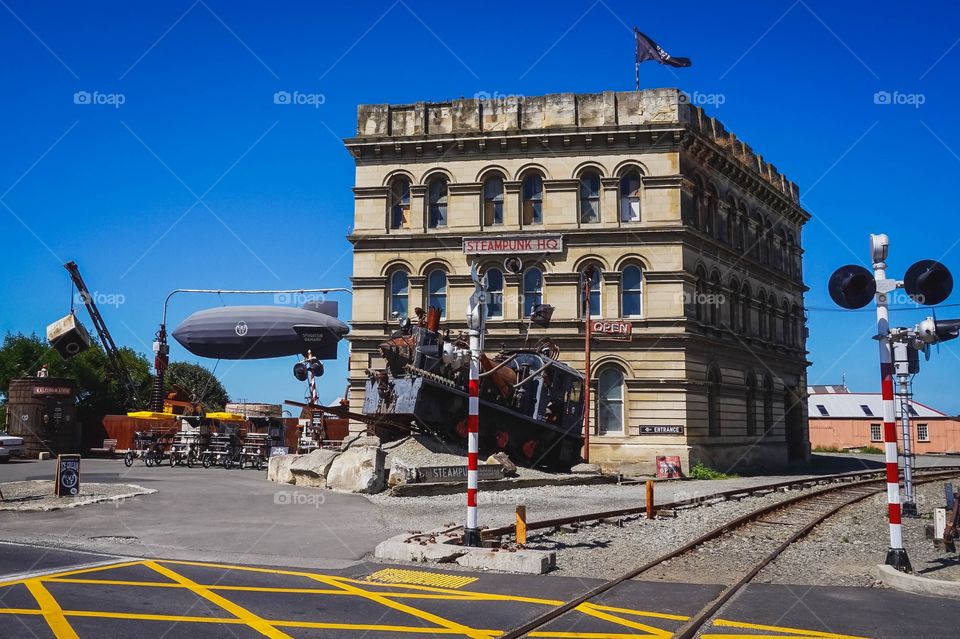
x,y
261,332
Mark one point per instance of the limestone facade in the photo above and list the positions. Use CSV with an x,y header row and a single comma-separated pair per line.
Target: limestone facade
x,y
696,237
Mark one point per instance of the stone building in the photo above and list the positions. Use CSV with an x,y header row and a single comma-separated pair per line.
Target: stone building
x,y
696,239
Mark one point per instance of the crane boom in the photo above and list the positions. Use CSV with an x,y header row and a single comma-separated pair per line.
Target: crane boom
x,y
113,354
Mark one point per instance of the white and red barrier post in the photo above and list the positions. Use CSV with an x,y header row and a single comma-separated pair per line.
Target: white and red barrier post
x,y
897,554
476,313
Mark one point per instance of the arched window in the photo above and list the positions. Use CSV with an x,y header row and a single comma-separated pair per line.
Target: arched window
x,y
751,404
711,214
493,201
734,304
713,402
745,314
630,197
715,296
700,303
724,213
762,314
399,206
532,194
437,202
797,326
756,236
765,241
399,294
494,294
437,291
631,304
532,290
767,405
589,197
610,401
596,310
787,337
741,243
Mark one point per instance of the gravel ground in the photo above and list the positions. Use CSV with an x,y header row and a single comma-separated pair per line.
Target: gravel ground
x,y
38,495
843,550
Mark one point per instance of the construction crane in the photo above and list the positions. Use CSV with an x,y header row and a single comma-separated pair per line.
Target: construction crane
x,y
113,354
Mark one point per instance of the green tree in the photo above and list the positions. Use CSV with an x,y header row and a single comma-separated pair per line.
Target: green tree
x,y
99,392
198,382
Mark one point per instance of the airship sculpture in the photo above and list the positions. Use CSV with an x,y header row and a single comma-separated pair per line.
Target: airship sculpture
x,y
260,332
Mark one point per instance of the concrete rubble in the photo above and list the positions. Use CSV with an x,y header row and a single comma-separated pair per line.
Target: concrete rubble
x,y
358,470
312,469
439,547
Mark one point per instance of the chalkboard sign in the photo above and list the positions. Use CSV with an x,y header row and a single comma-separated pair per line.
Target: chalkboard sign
x,y
67,481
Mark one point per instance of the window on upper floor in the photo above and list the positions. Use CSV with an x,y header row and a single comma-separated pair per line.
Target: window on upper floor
x,y
596,310
399,294
399,203
437,202
589,197
630,185
532,290
631,303
437,291
532,199
493,201
494,294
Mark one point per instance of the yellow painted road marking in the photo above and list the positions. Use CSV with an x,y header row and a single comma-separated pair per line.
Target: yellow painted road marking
x,y
587,609
790,631
237,611
71,572
420,577
51,610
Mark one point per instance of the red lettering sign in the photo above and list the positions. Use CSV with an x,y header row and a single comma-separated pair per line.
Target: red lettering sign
x,y
611,327
512,244
669,467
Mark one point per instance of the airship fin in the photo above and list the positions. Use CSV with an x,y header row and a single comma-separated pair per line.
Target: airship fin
x,y
330,308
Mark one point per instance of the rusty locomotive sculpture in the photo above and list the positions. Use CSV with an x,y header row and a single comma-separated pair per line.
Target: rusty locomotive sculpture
x,y
531,405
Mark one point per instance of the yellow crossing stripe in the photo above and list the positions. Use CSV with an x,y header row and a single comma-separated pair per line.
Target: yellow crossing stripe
x,y
237,611
792,633
420,577
51,610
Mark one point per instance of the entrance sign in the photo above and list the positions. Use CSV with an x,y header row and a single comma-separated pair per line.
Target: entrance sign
x,y
67,481
661,430
511,244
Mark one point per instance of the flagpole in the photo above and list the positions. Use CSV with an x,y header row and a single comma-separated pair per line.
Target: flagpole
x,y
637,67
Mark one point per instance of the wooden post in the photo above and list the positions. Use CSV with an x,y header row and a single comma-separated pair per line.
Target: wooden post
x,y
521,524
650,509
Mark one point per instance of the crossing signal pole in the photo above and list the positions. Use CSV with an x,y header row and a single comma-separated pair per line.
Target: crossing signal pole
x,y
927,282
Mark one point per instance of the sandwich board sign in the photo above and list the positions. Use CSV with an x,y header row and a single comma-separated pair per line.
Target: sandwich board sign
x,y
67,481
668,467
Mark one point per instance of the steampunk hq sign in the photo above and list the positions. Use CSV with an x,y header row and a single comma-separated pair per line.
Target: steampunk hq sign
x,y
512,244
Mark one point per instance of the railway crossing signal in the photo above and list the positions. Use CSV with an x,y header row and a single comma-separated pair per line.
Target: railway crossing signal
x,y
476,318
927,282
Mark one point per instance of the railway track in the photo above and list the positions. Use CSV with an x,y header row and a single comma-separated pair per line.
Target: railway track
x,y
771,529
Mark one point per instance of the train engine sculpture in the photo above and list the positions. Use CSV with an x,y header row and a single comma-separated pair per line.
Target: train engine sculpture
x,y
531,405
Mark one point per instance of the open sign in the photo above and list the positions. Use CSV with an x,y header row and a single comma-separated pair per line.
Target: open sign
x,y
612,327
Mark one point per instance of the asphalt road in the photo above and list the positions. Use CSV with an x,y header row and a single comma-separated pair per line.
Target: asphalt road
x,y
52,593
211,514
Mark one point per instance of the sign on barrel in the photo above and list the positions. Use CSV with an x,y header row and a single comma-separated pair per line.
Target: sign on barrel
x,y
67,481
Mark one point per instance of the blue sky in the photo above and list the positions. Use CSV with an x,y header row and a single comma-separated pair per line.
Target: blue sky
x,y
198,179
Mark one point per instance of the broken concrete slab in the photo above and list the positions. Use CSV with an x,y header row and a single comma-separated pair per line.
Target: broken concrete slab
x,y
401,548
358,470
311,469
531,562
509,468
585,469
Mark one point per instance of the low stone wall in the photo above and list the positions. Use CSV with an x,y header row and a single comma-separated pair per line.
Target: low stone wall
x,y
358,469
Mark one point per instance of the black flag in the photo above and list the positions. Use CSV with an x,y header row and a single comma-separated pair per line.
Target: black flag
x,y
647,49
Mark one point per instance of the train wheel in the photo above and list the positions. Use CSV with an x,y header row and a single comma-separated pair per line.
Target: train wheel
x,y
128,459
461,429
502,438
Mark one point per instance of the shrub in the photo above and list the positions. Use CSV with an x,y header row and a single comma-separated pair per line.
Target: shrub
x,y
700,471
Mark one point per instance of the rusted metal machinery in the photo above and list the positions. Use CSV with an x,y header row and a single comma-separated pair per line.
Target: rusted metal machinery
x,y
531,405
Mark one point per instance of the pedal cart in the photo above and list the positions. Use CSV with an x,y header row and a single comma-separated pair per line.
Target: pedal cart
x,y
146,446
255,450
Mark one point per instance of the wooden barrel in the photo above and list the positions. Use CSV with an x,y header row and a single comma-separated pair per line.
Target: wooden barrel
x,y
43,411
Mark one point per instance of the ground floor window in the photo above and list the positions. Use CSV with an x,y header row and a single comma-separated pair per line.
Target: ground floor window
x,y
876,435
610,401
923,433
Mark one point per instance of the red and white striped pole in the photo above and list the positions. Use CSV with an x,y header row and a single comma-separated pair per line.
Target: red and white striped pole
x,y
476,310
897,554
